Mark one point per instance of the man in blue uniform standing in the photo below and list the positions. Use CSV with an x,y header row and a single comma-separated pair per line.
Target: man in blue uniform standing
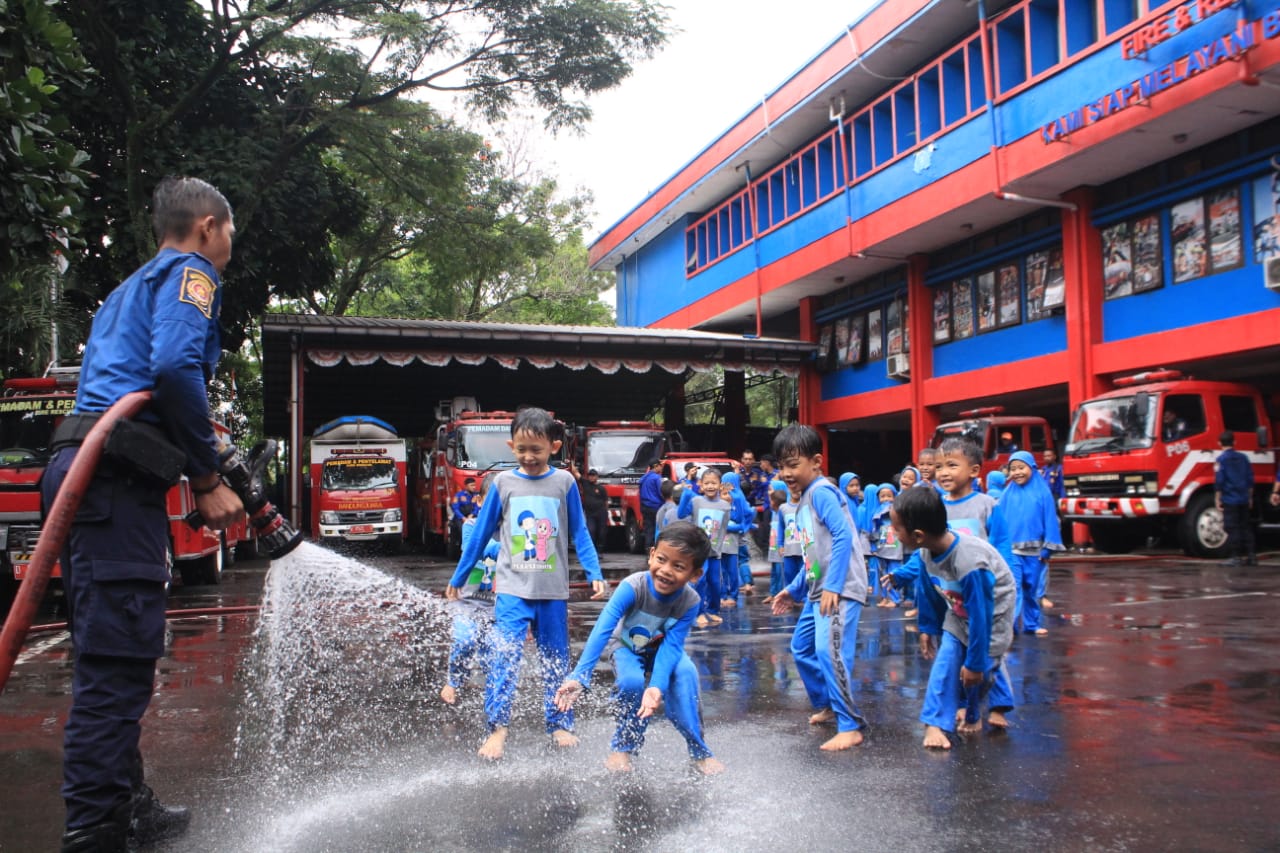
x,y
157,331
1233,493
651,499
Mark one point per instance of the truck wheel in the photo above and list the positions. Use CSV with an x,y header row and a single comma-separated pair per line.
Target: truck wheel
x,y
205,571
1200,530
635,536
1117,538
8,588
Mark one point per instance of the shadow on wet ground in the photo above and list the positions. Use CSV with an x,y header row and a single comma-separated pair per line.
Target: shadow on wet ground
x,y
1148,719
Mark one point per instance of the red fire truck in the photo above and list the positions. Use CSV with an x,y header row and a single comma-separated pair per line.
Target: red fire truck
x,y
359,487
620,452
1140,459
468,444
999,435
29,411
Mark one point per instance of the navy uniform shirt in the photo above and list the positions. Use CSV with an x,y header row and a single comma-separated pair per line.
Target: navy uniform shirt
x,y
158,331
464,505
1234,477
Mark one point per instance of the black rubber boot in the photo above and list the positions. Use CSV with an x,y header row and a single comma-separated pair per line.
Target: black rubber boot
x,y
111,836
154,821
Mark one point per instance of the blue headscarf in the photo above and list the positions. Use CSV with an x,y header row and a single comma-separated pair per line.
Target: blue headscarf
x,y
883,507
1030,511
870,503
995,485
913,469
854,505
742,511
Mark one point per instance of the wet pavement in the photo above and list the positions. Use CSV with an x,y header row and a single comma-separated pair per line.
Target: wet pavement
x,y
1148,719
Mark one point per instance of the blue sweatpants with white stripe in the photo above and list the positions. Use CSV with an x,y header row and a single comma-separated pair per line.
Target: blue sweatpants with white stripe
x,y
824,649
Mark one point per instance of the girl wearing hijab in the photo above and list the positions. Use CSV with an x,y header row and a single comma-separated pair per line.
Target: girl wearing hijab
x,y
885,544
740,518
1031,518
995,485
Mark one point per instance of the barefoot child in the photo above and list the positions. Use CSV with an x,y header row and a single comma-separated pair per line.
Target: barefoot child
x,y
534,509
777,538
835,579
711,515
968,592
472,622
740,519
885,545
642,629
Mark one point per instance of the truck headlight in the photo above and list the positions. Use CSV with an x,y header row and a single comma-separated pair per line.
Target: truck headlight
x,y
328,517
1073,493
391,515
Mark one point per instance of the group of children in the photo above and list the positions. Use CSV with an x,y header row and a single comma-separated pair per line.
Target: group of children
x,y
973,567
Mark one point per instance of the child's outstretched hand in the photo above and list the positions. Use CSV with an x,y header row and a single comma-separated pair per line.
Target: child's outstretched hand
x,y
969,678
928,646
649,702
782,603
599,589
568,694
452,593
886,580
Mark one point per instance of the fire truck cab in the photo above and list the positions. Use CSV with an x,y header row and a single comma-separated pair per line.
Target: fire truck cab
x,y
620,452
1140,460
999,435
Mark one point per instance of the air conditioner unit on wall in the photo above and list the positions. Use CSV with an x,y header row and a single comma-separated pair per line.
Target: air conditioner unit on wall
x,y
898,366
1271,273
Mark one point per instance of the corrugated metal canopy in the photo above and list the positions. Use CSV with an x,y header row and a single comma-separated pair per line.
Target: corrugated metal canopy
x,y
398,370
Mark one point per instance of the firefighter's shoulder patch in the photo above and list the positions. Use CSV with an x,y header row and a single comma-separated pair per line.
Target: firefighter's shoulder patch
x,y
198,290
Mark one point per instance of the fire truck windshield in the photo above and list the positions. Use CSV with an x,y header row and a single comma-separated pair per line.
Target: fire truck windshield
x,y
613,454
358,474
1113,424
483,447
25,438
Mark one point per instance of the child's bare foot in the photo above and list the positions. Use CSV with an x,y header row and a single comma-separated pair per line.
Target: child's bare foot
x,y
709,766
448,694
884,602
843,740
747,589
714,619
563,738
1046,604
618,762
997,720
966,728
1040,632
910,612
826,715
701,622
728,602
936,738
494,744
768,599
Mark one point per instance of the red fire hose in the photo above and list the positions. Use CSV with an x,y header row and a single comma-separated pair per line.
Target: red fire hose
x,y
56,527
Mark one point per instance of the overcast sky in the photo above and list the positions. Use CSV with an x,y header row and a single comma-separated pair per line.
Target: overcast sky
x,y
727,57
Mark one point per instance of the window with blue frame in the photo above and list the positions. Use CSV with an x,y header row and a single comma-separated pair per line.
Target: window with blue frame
x,y
1019,290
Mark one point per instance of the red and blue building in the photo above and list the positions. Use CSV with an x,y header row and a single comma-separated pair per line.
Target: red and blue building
x,y
967,203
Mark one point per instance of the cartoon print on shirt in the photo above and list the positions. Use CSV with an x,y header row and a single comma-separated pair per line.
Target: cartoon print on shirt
x,y
533,533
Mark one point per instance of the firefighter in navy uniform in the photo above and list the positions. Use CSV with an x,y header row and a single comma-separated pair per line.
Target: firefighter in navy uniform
x,y
157,331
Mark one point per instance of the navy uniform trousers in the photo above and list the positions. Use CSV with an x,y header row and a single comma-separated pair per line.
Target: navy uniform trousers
x,y
114,573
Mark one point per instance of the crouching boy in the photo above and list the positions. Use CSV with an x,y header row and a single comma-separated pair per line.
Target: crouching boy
x,y
643,629
967,600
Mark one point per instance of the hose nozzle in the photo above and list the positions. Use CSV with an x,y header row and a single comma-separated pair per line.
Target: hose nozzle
x,y
245,477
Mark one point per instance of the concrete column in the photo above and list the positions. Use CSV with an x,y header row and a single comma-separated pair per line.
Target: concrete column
x,y
924,419
1082,267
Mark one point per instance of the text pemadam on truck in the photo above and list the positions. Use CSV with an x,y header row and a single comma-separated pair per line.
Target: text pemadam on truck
x,y
1140,460
358,482
30,409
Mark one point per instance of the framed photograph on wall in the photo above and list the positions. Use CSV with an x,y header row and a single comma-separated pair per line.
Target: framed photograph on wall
x,y
942,315
1009,292
1186,232
1117,262
1266,218
893,327
875,335
906,325
1037,281
1226,246
842,342
987,301
1055,286
962,308
1148,254
826,336
857,337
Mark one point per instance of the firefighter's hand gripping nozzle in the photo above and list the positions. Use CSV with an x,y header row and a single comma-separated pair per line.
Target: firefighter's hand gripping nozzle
x,y
244,476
